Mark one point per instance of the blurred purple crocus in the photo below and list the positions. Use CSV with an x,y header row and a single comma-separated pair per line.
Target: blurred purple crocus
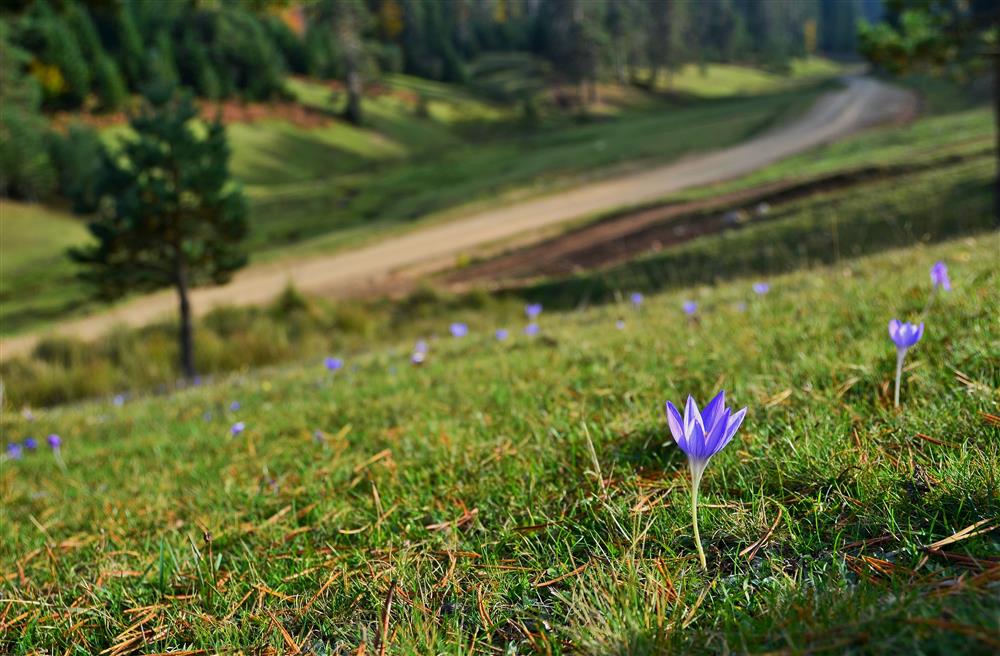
x,y
14,451
690,307
333,364
637,299
54,441
939,276
234,406
701,435
761,288
531,329
238,428
30,443
501,334
458,329
904,335
418,357
620,325
420,346
119,400
532,310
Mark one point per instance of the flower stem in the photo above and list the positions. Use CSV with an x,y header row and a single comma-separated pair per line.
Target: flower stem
x,y
696,472
900,354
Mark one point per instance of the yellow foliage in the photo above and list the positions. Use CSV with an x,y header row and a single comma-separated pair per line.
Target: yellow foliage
x,y
49,76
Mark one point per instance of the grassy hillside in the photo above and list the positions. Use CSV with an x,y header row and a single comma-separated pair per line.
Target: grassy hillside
x,y
427,148
524,495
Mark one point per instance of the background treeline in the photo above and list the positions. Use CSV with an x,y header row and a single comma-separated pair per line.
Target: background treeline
x,y
95,55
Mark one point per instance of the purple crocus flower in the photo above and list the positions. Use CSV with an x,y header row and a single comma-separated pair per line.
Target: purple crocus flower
x,y
531,329
458,329
533,310
14,451
238,428
761,288
234,406
904,335
54,441
420,346
620,325
637,298
119,400
418,358
501,334
690,307
939,276
700,435
30,443
333,364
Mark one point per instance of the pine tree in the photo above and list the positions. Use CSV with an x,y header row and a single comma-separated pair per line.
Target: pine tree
x,y
170,217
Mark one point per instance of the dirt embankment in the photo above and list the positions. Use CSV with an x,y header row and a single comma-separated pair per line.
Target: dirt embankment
x,y
625,235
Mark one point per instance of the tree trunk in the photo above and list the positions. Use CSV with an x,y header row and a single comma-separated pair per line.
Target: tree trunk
x,y
186,340
354,91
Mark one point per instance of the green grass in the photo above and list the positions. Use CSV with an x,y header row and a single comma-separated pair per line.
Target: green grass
x,y
37,280
520,497
336,186
719,80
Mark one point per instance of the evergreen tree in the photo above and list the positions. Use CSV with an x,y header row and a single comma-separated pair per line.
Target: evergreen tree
x,y
169,215
959,36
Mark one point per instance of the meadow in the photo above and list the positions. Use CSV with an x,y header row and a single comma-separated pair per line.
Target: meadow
x,y
427,151
945,194
525,495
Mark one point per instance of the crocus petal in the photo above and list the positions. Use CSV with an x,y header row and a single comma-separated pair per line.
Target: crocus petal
x,y
894,329
692,417
676,424
713,410
715,436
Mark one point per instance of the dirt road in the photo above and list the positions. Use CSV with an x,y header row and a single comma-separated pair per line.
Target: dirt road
x,y
862,103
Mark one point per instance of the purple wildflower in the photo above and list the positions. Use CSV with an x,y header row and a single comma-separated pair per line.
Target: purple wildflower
x,y
701,435
939,276
458,329
119,400
531,329
637,299
532,310
620,325
690,307
14,451
418,358
501,334
30,443
904,335
234,406
420,346
761,288
54,441
238,428
334,364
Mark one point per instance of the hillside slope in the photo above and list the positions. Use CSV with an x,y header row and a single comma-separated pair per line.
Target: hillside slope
x,y
525,495
862,104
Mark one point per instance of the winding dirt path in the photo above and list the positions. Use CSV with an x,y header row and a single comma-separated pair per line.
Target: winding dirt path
x,y
863,103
